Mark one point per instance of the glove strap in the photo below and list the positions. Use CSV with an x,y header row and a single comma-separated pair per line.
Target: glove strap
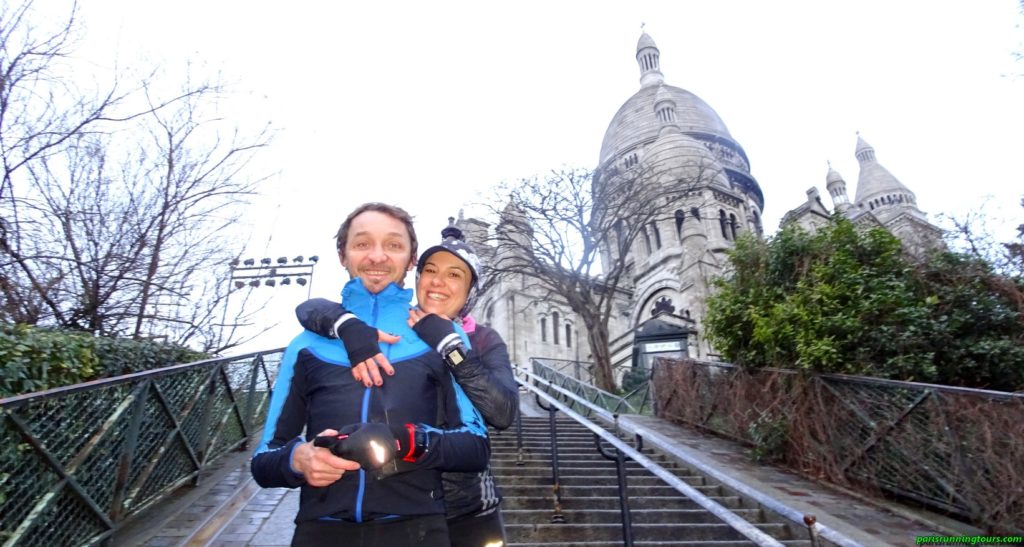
x,y
341,321
417,443
449,340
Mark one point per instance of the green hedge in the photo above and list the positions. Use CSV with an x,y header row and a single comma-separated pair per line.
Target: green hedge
x,y
33,359
847,300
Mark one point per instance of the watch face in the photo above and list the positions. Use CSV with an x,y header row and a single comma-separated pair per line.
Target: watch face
x,y
455,357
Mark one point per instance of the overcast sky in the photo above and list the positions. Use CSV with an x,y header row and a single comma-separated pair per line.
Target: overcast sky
x,y
425,104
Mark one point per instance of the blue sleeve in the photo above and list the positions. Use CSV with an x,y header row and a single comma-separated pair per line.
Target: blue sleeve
x,y
463,444
286,418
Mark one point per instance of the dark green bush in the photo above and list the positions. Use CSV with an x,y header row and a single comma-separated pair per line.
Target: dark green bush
x,y
36,359
847,300
33,359
634,378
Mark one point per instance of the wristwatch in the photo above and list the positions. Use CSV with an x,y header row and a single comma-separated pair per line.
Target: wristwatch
x,y
454,355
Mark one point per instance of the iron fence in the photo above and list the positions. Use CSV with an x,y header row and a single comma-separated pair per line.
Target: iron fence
x,y
954,449
76,461
567,375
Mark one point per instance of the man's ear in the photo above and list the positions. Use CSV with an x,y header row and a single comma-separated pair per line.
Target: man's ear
x,y
341,258
412,264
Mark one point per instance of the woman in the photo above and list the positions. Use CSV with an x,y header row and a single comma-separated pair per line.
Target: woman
x,y
447,277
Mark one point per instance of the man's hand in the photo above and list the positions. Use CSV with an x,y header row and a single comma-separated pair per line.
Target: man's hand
x,y
318,465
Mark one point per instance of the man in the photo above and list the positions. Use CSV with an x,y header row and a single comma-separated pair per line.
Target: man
x,y
416,425
447,276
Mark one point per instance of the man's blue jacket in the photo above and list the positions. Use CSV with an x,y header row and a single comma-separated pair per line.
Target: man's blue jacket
x,y
315,391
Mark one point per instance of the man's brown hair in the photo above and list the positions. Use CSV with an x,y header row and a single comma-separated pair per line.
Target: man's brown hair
x,y
391,210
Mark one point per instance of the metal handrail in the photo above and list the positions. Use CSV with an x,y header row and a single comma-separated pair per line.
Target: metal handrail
x,y
815,529
620,403
739,524
77,461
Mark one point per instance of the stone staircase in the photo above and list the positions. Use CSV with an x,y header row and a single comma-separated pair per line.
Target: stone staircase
x,y
590,507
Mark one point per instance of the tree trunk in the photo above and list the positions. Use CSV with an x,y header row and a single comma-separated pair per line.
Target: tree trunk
x,y
597,335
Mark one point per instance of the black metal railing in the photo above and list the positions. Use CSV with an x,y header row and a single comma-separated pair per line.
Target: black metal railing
x,y
562,374
560,399
553,398
76,461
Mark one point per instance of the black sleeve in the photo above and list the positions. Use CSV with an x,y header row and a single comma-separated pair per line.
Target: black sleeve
x,y
320,315
462,445
486,377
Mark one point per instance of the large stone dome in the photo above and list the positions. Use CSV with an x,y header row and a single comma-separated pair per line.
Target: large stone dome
x,y
674,156
636,123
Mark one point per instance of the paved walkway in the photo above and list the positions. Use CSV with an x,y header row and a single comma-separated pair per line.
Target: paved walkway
x,y
231,511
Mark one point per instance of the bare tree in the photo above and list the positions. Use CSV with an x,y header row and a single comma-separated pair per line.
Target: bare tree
x,y
971,233
134,240
570,233
116,225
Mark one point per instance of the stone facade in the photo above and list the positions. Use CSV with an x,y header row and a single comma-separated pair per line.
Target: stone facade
x,y
671,134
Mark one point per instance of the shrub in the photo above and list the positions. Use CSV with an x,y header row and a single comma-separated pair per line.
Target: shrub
x,y
34,359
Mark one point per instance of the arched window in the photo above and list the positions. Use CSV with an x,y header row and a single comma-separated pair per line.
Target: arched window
x,y
657,235
722,222
647,240
695,213
554,327
619,236
543,329
732,225
568,335
680,217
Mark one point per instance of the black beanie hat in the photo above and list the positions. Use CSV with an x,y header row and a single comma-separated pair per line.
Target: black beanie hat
x,y
454,242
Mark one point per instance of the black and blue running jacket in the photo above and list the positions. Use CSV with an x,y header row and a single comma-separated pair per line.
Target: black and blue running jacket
x,y
315,391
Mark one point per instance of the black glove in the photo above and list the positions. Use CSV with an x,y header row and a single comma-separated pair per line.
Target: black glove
x,y
437,332
373,445
333,321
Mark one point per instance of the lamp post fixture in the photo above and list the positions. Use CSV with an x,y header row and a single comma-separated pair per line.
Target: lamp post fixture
x,y
248,272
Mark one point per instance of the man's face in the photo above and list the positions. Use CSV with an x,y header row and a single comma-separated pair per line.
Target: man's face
x,y
378,250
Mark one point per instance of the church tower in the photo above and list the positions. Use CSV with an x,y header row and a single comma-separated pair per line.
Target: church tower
x,y
678,143
670,139
881,200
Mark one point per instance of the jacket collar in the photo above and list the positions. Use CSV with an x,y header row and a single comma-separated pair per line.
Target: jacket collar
x,y
355,292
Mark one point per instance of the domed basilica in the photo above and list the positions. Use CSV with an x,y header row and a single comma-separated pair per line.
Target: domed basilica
x,y
668,134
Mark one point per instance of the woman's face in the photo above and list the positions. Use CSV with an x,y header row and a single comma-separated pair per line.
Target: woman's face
x,y
443,285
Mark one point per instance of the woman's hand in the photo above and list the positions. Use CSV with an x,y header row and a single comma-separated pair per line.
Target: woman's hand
x,y
368,371
415,314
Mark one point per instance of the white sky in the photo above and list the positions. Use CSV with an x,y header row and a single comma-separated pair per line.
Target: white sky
x,y
425,104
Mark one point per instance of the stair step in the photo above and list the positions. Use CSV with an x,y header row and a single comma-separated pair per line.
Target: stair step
x,y
531,468
614,516
612,502
584,491
642,532
573,458
609,479
590,503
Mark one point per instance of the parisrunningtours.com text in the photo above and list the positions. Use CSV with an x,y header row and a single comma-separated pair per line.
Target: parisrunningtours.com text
x,y
969,540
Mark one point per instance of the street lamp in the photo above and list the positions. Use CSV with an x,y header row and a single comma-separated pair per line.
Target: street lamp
x,y
254,275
